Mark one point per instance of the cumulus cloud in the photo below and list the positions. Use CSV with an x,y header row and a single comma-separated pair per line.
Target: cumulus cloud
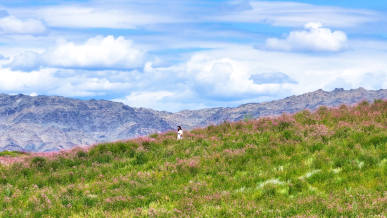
x,y
14,25
230,75
314,38
224,78
96,53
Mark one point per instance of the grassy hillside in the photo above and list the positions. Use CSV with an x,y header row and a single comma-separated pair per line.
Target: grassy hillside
x,y
331,162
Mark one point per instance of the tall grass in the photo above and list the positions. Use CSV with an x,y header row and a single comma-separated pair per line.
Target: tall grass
x,y
332,162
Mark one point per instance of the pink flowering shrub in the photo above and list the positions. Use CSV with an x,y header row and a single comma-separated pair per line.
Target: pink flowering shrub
x,y
234,152
191,164
318,130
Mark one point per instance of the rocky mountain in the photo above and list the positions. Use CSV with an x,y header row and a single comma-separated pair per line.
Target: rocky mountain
x,y
48,123
311,101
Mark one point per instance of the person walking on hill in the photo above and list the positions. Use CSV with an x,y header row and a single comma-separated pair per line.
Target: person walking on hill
x,y
179,133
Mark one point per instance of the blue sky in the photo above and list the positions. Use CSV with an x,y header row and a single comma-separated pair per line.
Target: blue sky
x,y
173,55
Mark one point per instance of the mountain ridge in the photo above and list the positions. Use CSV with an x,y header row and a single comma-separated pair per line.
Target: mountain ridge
x,y
49,123
291,104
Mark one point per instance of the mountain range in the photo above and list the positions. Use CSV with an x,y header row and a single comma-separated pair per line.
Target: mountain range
x,y
50,123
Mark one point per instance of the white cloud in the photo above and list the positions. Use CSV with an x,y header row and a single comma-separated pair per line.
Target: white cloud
x,y
19,81
25,61
51,81
132,14
220,77
241,74
196,68
226,73
96,53
82,86
166,100
146,98
314,38
94,17
14,25
297,14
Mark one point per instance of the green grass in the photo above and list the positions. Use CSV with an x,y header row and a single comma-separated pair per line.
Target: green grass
x,y
332,162
11,153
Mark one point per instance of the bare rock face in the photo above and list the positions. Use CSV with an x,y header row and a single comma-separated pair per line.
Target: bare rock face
x,y
46,123
49,123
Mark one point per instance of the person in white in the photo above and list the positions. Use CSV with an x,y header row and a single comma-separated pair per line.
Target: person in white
x,y
179,133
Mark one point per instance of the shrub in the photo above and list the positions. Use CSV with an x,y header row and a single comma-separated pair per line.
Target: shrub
x,y
305,117
81,154
140,158
38,162
283,125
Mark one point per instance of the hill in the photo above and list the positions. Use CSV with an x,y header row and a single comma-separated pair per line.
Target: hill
x,y
332,162
51,123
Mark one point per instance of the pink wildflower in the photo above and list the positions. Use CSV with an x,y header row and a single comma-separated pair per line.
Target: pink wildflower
x,y
319,130
235,152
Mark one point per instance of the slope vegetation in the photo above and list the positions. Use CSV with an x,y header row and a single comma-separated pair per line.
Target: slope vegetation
x,y
332,162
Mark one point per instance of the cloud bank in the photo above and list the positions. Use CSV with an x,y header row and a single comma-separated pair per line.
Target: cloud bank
x,y
96,53
177,55
218,77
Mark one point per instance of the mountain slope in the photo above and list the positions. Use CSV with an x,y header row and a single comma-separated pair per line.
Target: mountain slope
x,y
48,123
330,163
292,104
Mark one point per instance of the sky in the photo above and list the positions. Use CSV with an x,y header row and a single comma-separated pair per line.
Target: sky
x,y
174,55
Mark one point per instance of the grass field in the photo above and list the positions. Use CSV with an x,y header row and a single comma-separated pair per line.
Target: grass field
x,y
332,162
